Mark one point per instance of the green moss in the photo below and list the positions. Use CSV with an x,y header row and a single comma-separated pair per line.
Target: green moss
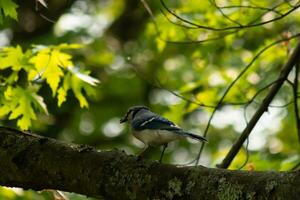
x,y
189,187
130,182
193,177
228,191
174,188
131,195
271,186
250,196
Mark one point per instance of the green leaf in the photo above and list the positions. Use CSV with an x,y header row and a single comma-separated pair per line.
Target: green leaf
x,y
62,91
61,96
20,106
12,57
39,103
81,81
69,46
4,110
8,7
84,77
49,63
20,103
77,87
41,63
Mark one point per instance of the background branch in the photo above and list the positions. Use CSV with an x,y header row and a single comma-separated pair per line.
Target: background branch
x,y
220,102
193,25
295,92
263,107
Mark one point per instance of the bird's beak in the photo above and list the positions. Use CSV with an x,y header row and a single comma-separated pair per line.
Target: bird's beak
x,y
124,119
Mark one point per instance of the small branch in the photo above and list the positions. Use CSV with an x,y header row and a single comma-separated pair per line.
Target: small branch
x,y
194,25
295,91
295,167
263,107
252,7
221,35
261,15
214,3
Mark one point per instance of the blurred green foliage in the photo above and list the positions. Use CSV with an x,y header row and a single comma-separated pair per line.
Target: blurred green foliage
x,y
154,58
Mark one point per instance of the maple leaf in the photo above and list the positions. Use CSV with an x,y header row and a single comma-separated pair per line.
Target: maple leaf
x,y
20,103
79,83
8,7
49,63
63,90
12,57
41,63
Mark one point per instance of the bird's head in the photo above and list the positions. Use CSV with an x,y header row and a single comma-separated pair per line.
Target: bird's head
x,y
132,111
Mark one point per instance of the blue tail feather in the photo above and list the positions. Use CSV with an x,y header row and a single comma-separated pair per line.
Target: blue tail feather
x,y
192,135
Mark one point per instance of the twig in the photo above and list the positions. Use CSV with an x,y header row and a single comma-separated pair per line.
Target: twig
x,y
195,25
252,7
213,2
263,107
295,167
213,38
295,91
261,15
148,9
247,155
38,10
276,106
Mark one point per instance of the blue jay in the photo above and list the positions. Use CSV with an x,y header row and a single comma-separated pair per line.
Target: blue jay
x,y
154,130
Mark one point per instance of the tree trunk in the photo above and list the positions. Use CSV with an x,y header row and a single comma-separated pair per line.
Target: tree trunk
x,y
31,161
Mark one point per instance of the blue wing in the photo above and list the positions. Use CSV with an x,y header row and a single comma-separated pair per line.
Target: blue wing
x,y
154,122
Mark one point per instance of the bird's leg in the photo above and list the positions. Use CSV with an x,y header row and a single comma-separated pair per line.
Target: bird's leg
x,y
162,153
144,152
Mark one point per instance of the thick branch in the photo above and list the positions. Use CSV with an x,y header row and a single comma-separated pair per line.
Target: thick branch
x,y
31,161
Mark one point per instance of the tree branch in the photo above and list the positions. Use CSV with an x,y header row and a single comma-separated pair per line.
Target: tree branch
x,y
263,107
295,91
31,161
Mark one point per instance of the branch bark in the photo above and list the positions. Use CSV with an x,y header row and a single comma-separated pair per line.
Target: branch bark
x,y
263,107
31,161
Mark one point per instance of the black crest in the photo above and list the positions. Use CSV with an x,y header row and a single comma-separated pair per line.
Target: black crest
x,y
133,110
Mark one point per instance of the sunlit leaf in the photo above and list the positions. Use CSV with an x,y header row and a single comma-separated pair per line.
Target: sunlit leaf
x,y
61,96
69,46
39,102
78,87
84,77
20,104
43,3
21,107
8,7
11,57
4,110
50,63
62,91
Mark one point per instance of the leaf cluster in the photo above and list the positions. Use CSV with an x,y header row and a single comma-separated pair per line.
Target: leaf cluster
x,y
25,71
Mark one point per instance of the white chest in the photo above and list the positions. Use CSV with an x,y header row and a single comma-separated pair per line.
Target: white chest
x,y
155,137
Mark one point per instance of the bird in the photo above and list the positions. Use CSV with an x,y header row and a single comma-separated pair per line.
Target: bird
x,y
153,129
